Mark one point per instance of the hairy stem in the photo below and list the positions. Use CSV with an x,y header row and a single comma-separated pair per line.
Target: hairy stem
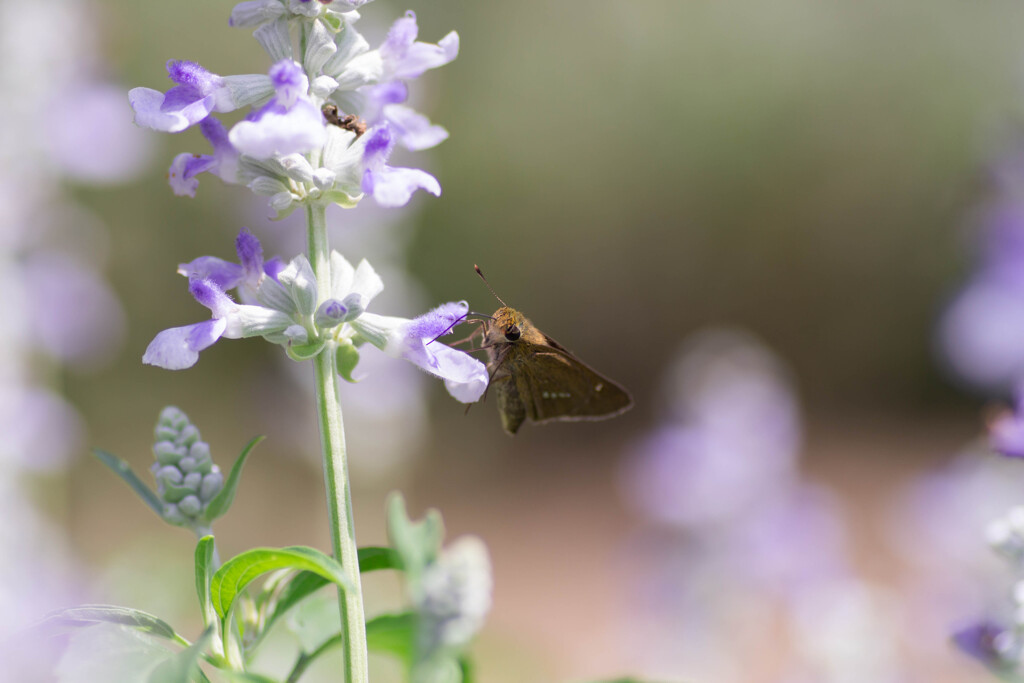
x,y
332,442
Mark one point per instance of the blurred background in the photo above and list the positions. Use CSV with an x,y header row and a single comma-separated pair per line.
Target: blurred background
x,y
789,228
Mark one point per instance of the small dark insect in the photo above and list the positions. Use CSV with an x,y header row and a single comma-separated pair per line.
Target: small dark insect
x,y
349,122
537,378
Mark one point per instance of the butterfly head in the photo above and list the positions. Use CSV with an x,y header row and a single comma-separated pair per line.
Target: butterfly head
x,y
508,324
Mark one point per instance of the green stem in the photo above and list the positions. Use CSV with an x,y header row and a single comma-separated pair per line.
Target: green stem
x,y
332,442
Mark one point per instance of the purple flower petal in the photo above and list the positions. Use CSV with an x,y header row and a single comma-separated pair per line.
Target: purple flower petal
x,y
279,131
150,110
393,187
186,73
224,274
273,267
438,321
405,58
289,81
178,348
464,376
413,130
210,295
250,254
379,143
181,175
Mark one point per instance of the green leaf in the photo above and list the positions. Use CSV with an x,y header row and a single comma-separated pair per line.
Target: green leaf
x,y
373,558
417,543
204,572
183,667
241,570
89,615
394,634
348,357
222,501
123,470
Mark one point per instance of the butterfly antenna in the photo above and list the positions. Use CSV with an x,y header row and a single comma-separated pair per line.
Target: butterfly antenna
x,y
481,274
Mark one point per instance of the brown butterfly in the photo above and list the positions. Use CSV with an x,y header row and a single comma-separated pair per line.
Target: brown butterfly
x,y
535,377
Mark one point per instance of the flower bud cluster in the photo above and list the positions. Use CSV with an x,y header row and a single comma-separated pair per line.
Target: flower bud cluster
x,y
186,478
454,595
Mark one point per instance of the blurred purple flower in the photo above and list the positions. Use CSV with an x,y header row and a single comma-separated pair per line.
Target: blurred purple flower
x,y
41,430
76,317
732,442
1006,431
793,542
979,640
980,333
95,143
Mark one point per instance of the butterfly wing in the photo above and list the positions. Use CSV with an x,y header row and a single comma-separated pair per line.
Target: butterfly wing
x,y
555,385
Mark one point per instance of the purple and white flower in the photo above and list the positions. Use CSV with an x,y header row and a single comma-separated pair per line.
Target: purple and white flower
x,y
284,149
245,275
178,348
288,310
198,93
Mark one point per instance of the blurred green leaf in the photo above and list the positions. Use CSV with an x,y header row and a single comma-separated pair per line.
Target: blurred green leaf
x,y
394,634
373,558
89,615
183,667
315,621
241,570
222,501
417,543
299,587
123,470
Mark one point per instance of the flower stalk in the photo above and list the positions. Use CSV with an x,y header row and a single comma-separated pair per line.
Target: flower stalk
x,y
332,443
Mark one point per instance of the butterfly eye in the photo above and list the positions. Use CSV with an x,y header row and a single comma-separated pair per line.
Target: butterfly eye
x,y
512,333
